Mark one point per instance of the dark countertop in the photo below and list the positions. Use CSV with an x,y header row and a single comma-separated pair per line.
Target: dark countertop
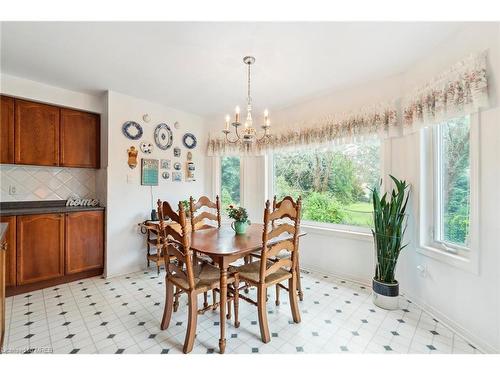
x,y
41,207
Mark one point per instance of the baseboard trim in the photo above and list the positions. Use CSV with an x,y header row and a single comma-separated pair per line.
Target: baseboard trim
x,y
448,323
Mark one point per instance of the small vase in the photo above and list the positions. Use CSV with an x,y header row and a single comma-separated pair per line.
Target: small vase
x,y
385,295
240,227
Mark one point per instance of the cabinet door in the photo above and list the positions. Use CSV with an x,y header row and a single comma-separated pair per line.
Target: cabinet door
x,y
84,241
40,247
10,256
80,146
7,131
2,292
36,133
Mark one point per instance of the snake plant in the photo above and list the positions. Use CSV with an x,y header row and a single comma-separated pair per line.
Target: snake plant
x,y
389,221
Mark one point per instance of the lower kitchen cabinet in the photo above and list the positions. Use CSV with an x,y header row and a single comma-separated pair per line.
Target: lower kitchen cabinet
x,y
10,256
40,247
84,245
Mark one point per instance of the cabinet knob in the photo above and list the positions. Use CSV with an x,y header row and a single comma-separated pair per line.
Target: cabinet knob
x,y
4,246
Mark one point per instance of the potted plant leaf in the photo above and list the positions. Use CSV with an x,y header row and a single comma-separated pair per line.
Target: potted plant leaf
x,y
240,217
389,226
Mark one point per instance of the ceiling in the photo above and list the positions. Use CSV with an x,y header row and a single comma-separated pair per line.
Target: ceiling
x,y
197,66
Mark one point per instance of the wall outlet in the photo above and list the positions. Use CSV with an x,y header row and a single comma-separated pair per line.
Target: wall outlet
x,y
12,190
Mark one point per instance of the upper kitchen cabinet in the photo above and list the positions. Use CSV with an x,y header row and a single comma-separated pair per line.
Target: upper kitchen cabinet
x,y
79,134
7,131
36,133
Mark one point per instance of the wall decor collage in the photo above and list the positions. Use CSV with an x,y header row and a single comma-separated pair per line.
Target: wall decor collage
x,y
163,137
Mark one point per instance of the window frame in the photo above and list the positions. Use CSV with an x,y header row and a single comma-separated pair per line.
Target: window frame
x,y
345,230
429,218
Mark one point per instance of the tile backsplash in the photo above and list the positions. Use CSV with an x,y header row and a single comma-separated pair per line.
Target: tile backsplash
x,y
31,183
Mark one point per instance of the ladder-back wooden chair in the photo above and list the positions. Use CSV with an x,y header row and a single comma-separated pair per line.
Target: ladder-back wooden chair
x,y
265,272
199,221
186,275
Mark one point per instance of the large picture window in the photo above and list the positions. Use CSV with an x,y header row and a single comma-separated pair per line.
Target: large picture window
x,y
334,183
230,186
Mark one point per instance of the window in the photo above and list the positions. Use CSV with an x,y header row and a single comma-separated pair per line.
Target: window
x,y
230,189
448,199
334,183
452,183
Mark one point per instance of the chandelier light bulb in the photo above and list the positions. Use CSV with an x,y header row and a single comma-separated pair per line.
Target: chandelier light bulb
x,y
237,111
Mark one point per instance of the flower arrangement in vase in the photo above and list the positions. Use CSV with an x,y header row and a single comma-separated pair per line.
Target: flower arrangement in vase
x,y
240,217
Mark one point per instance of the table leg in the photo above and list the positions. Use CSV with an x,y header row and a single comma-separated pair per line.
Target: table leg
x,y
222,306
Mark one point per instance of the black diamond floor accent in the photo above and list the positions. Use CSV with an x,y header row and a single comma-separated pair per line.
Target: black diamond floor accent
x,y
344,348
152,336
74,351
355,333
29,351
63,313
92,304
434,333
60,304
27,296
255,350
70,336
111,336
66,323
401,321
338,310
274,334
328,321
235,335
347,302
29,336
141,323
388,348
371,310
394,333
164,351
210,351
254,322
29,303
103,323
406,310
364,321
299,349
124,303
119,351
28,313
132,312
316,302
148,295
315,334
216,323
98,313
157,303
180,323
431,347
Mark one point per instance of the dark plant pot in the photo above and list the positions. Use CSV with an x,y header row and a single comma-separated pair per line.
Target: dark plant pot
x,y
154,215
385,295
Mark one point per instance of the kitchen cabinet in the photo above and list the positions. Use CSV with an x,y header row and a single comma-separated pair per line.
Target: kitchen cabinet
x,y
10,256
40,247
79,132
36,133
7,130
84,245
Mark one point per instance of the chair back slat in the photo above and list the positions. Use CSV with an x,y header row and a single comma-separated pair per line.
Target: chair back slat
x,y
289,209
280,229
178,243
274,250
204,202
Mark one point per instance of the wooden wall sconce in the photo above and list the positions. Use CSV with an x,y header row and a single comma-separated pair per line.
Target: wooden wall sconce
x,y
132,157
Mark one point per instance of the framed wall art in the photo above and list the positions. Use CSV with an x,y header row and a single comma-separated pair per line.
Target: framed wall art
x,y
177,176
165,164
177,152
149,172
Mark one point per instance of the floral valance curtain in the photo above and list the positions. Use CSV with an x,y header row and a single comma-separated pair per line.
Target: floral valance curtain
x,y
461,90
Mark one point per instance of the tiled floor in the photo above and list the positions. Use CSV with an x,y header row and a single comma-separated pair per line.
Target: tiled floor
x,y
122,315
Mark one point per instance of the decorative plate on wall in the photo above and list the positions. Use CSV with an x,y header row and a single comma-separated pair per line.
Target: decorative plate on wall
x,y
165,175
146,147
132,130
177,166
163,136
189,140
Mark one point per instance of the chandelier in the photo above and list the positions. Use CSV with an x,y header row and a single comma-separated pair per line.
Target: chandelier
x,y
249,133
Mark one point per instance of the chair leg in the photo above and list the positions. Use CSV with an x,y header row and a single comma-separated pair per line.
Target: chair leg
x,y
236,285
176,299
158,268
214,298
292,292
228,315
192,321
205,300
247,259
277,294
169,299
261,307
299,284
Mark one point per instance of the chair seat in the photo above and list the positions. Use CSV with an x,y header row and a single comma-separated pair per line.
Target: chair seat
x,y
251,272
206,277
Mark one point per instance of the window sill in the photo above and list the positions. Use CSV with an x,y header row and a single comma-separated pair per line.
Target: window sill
x,y
360,234
454,260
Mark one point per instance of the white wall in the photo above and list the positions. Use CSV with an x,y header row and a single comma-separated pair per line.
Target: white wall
x,y
463,300
130,203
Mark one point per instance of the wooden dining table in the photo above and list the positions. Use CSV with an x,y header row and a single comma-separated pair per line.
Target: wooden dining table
x,y
224,247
